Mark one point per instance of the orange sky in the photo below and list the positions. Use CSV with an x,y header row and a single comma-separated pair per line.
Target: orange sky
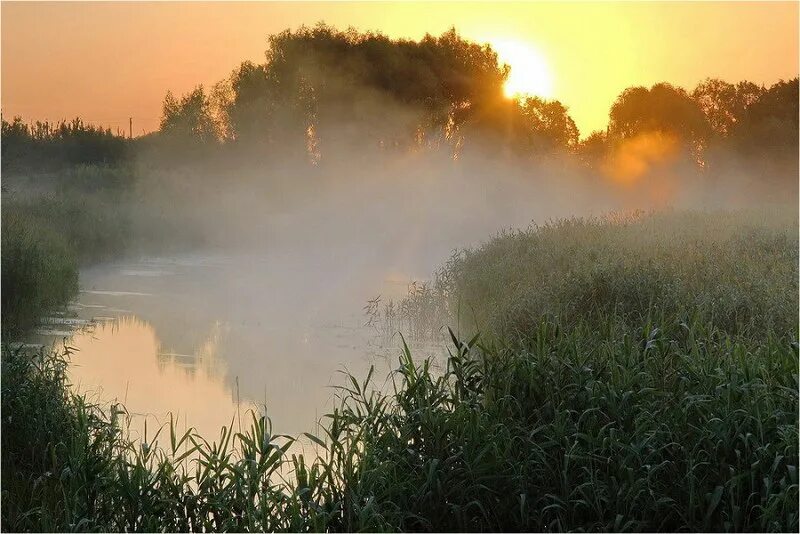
x,y
108,61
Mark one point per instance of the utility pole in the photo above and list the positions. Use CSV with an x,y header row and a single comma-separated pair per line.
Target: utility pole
x,y
130,127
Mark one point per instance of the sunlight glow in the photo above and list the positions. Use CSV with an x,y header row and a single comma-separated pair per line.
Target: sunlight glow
x,y
530,75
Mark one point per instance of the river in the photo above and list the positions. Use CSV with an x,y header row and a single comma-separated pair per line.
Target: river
x,y
205,337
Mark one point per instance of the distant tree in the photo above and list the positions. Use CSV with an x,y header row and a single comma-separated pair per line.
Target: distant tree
x,y
592,151
365,89
250,105
666,111
770,123
16,141
662,108
46,146
547,125
190,119
724,104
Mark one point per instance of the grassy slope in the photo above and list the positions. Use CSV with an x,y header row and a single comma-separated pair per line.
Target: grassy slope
x,y
654,389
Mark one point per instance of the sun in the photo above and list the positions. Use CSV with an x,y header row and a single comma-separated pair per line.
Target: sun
x,y
530,74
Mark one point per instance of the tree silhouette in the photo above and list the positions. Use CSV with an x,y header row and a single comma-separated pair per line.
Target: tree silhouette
x,y
320,90
249,105
189,120
662,108
724,104
46,146
592,151
770,123
547,125
364,89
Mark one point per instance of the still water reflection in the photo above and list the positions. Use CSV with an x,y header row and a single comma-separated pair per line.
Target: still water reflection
x,y
199,336
122,360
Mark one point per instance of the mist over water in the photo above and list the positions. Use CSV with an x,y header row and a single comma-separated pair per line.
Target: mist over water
x,y
270,308
270,246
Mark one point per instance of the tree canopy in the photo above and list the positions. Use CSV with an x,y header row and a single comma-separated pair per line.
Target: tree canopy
x,y
323,92
325,87
662,108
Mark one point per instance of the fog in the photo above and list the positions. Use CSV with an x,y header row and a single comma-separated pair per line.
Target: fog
x,y
264,304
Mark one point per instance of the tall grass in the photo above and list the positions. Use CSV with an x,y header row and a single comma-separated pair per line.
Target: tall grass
x,y
736,269
39,272
90,226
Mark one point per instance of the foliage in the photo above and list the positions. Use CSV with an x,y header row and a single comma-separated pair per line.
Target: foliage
x,y
770,124
44,146
592,150
189,120
724,104
249,106
320,87
547,126
662,108
39,272
736,269
323,93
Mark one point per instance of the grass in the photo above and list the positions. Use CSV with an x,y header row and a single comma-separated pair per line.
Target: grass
x,y
735,269
655,389
91,227
39,272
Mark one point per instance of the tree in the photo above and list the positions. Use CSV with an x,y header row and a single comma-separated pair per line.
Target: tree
x,y
547,125
366,90
770,123
250,105
45,146
593,150
724,104
662,108
190,119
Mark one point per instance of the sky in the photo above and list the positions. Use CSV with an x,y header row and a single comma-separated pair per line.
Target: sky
x,y
108,61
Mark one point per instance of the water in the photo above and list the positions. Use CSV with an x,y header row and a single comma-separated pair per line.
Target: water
x,y
206,336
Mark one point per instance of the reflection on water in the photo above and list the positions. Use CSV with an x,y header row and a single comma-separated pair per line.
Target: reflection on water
x,y
200,336
124,361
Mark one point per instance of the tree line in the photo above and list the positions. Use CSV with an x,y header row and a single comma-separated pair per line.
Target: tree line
x,y
322,92
44,145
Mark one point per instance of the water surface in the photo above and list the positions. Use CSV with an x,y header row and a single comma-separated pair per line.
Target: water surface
x,y
206,336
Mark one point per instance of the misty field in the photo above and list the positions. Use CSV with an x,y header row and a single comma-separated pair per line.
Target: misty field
x,y
632,373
